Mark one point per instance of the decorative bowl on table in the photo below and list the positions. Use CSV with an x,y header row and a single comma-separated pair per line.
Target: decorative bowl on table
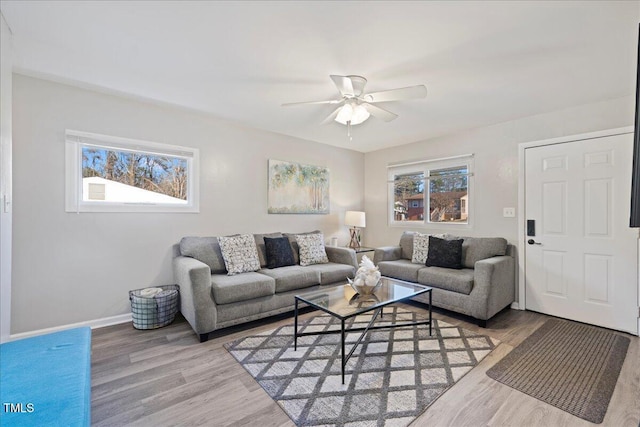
x,y
367,278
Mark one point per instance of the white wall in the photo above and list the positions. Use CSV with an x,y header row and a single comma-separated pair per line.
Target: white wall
x,y
496,166
70,268
6,65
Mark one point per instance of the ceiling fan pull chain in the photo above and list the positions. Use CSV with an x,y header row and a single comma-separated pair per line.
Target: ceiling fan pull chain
x,y
349,130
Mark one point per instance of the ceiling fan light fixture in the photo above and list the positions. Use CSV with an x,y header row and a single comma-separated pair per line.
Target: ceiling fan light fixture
x,y
345,114
352,114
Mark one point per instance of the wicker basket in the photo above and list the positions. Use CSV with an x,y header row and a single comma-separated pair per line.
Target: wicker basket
x,y
157,311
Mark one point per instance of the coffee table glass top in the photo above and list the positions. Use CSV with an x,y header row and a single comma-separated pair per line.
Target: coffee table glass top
x,y
344,302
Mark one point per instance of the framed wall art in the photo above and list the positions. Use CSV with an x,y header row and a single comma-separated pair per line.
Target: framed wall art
x,y
295,188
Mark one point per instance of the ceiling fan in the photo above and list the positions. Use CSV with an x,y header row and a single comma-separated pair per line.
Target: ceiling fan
x,y
355,106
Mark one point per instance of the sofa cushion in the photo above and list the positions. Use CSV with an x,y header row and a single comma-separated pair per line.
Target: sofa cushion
x,y
460,281
241,287
239,253
402,269
262,250
204,249
294,244
333,272
406,243
311,249
292,277
444,253
279,252
475,249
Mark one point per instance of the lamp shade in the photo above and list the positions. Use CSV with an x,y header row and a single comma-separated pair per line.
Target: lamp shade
x,y
345,114
360,114
355,219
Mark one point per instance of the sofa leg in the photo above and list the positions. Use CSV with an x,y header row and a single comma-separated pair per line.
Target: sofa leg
x,y
204,337
481,323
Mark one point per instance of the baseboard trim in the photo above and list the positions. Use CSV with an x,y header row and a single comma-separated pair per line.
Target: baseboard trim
x,y
515,305
93,324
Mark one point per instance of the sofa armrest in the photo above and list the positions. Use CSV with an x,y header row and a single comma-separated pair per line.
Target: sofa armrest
x,y
196,302
387,253
495,282
342,255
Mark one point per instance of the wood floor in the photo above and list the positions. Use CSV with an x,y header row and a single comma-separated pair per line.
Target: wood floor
x,y
165,377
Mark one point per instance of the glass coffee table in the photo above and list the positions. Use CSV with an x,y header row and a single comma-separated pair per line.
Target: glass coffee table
x,y
343,303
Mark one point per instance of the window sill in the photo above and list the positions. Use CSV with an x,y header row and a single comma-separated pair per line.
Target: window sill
x,y
132,208
437,226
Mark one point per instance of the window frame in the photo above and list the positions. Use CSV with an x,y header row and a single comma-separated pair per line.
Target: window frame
x,y
75,141
424,167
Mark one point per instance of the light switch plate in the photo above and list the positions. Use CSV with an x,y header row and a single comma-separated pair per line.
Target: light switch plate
x,y
6,204
509,212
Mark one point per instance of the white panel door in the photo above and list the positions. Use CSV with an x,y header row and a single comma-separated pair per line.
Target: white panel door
x,y
582,263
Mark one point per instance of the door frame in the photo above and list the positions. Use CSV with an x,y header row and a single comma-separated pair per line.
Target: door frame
x,y
521,242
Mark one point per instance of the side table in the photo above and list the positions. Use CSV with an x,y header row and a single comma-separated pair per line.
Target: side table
x,y
361,251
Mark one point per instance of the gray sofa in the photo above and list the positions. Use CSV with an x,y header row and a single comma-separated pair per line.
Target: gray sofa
x,y
210,299
483,287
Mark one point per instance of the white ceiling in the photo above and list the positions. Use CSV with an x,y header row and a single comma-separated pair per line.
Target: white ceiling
x,y
482,62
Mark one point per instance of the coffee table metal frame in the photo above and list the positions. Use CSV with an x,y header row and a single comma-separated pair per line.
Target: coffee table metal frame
x,y
377,311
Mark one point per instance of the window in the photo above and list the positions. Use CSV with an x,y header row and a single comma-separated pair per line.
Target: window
x,y
110,174
434,192
406,188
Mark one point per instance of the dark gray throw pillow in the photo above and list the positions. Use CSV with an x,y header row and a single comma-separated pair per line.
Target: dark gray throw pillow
x,y
279,252
444,253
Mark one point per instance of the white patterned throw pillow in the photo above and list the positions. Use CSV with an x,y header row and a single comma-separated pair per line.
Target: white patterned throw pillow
x,y
421,247
311,248
240,253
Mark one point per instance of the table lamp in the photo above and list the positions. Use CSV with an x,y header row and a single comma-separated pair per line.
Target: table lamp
x,y
355,220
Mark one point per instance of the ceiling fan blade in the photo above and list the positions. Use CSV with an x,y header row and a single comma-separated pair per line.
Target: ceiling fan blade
x,y
331,117
411,92
334,101
379,113
344,84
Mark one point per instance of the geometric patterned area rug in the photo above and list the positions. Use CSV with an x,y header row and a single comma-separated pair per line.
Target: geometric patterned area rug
x,y
392,377
569,365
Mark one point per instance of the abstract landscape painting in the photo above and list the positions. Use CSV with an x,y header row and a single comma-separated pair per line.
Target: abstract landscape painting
x,y
298,189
